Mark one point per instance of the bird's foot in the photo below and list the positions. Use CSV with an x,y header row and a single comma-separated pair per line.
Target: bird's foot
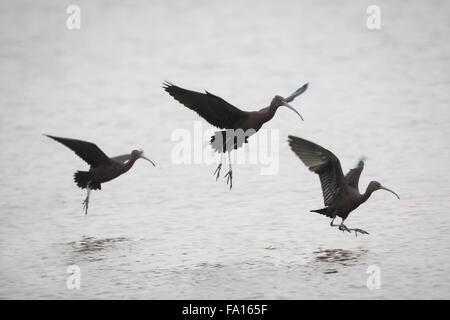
x,y
343,228
217,172
86,205
359,230
229,177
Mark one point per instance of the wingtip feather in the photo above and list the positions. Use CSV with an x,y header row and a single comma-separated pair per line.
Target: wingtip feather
x,y
167,84
50,136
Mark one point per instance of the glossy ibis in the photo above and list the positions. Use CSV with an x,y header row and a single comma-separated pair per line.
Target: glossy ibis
x,y
102,168
239,124
341,194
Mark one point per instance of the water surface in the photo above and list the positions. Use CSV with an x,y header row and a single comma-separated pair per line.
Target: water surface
x,y
173,231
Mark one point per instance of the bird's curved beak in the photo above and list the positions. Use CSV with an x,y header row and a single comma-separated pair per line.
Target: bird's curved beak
x,y
145,158
287,105
384,188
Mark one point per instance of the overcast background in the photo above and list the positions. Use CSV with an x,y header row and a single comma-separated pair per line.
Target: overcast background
x,y
173,231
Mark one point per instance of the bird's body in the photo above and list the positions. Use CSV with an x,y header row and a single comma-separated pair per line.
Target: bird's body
x,y
243,128
348,201
102,173
239,125
349,197
102,168
256,119
341,193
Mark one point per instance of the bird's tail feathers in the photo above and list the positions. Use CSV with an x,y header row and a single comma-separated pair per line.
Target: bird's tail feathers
x,y
323,211
227,140
81,178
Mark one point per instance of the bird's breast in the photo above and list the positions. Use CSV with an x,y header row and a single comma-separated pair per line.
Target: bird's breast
x,y
349,202
251,124
108,173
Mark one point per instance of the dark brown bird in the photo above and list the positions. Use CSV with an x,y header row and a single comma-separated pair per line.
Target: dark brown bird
x,y
340,193
103,168
239,124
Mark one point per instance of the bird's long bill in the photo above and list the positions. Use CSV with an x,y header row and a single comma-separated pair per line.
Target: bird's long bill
x,y
384,188
148,160
290,107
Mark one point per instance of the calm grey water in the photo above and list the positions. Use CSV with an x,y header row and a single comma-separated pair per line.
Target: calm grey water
x,y
173,231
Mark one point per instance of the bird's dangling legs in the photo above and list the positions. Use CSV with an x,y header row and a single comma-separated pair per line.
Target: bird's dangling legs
x,y
217,172
359,230
229,174
86,201
341,226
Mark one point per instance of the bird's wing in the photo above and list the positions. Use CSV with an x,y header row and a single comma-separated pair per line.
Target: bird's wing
x,y
297,93
352,176
323,162
87,151
212,108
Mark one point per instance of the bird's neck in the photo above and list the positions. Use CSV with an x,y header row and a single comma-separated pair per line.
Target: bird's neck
x,y
366,195
127,165
269,113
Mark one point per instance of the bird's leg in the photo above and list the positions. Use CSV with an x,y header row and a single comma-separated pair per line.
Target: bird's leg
x,y
86,201
331,224
358,230
341,226
217,172
229,174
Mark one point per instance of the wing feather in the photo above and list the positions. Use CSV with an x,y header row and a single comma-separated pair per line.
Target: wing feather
x,y
212,108
87,151
322,162
352,176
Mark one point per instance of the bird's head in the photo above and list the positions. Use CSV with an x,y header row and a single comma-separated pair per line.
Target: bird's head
x,y
375,185
279,101
139,154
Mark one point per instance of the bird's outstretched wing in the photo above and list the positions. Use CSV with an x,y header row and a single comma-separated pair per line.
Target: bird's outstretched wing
x,y
212,108
297,93
87,151
323,162
352,176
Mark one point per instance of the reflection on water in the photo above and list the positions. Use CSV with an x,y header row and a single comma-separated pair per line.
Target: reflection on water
x,y
91,244
206,265
94,249
341,256
337,258
173,231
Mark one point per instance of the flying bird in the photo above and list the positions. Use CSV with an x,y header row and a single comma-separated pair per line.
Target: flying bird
x,y
340,193
102,168
239,125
